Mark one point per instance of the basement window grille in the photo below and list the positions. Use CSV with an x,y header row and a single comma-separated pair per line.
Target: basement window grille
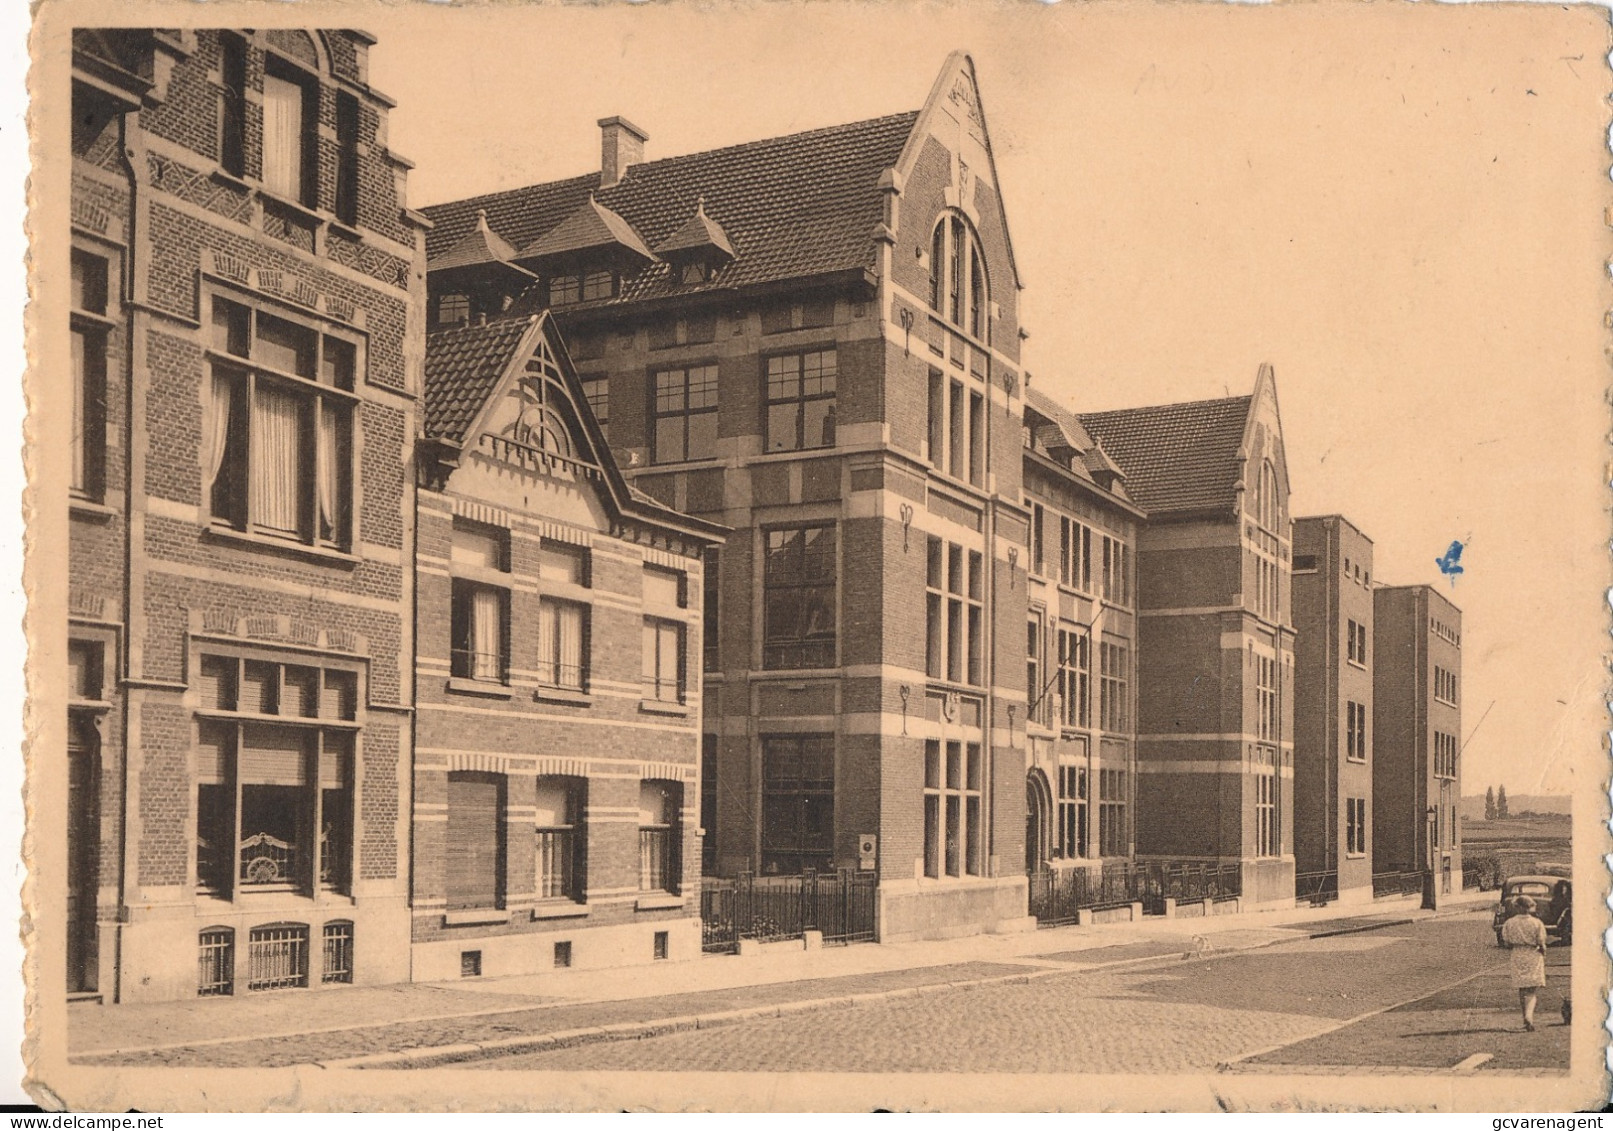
x,y
216,963
278,956
338,966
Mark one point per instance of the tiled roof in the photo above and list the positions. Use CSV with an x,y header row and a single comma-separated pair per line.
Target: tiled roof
x,y
1175,457
699,231
793,206
476,247
1066,421
591,228
463,364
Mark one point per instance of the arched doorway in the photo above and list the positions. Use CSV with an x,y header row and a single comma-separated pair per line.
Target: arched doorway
x,y
1038,821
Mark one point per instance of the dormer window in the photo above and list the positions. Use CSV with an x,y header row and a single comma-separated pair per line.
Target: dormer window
x,y
959,289
694,273
453,309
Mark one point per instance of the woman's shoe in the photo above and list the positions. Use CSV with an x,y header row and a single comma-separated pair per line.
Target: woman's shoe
x,y
1528,1026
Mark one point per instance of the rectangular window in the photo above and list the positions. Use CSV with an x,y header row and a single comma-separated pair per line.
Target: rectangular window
x,y
563,644
665,588
1444,685
710,603
452,309
277,436
1267,828
1355,826
1114,709
1034,710
561,838
1070,842
954,602
685,414
1355,731
290,142
958,432
480,626
596,390
952,814
1075,554
798,580
1113,839
90,287
274,800
938,419
659,833
1038,544
663,660
475,837
1075,679
801,400
232,110
1356,642
1266,703
708,803
977,439
565,290
347,122
560,563
798,795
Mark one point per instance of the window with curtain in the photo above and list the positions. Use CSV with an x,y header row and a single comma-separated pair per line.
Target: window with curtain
x,y
563,644
660,808
663,660
561,838
274,800
277,444
289,102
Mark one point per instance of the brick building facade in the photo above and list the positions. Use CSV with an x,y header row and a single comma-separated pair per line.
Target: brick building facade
x,y
1215,667
556,773
246,344
1417,728
814,341
1081,646
1333,708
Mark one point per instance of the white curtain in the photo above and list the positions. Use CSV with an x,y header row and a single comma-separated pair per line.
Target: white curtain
x,y
217,426
78,411
568,623
486,635
282,137
277,463
329,471
547,671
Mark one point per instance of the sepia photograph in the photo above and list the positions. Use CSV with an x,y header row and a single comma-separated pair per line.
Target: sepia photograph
x,y
818,557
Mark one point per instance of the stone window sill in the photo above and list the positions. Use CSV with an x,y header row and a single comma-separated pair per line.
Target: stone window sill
x,y
564,695
289,548
474,916
463,686
661,707
90,509
658,901
561,910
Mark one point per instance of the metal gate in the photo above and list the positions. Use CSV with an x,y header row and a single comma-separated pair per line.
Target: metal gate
x,y
772,908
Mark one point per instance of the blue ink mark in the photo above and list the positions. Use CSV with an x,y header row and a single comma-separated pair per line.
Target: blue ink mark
x,y
1451,564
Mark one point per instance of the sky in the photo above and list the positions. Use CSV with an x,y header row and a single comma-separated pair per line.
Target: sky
x,y
1398,208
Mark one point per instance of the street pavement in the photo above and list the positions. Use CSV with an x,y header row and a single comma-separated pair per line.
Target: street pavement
x,y
1241,992
1181,1016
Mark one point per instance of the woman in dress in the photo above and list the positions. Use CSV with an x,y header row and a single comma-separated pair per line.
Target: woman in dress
x,y
1526,937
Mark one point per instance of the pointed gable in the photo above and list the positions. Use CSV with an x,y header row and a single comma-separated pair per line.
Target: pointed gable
x,y
699,236
478,247
591,230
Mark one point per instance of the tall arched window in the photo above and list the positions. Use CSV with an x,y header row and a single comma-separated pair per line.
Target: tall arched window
x,y
959,288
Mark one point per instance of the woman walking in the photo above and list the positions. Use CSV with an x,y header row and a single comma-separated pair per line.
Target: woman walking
x,y
1526,937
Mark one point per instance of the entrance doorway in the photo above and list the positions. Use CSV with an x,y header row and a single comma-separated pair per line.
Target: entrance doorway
x,y
1038,822
83,854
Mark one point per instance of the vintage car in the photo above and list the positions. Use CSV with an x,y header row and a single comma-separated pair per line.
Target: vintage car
x,y
1554,905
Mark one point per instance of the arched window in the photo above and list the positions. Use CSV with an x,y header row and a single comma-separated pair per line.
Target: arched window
x,y
959,287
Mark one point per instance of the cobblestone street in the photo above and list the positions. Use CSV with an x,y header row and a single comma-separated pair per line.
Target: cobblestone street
x,y
1187,1015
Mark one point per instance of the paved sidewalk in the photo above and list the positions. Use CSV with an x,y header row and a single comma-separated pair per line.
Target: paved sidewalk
x,y
404,1023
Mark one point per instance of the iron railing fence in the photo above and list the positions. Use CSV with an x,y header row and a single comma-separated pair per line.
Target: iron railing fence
x,y
1389,884
773,908
1057,897
1316,888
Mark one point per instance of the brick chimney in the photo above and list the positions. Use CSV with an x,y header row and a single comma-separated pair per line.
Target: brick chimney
x,y
621,145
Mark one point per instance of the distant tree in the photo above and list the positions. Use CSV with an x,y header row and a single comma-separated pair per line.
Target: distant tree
x,y
1489,804
1501,813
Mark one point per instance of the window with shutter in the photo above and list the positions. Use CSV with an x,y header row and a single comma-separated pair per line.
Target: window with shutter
x,y
475,840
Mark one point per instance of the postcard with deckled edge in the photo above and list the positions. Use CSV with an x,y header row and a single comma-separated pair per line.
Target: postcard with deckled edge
x,y
817,557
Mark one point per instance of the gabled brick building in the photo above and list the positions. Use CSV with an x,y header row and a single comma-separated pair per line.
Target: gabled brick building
x,y
1333,708
1215,668
246,344
814,341
1417,731
557,762
1081,645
